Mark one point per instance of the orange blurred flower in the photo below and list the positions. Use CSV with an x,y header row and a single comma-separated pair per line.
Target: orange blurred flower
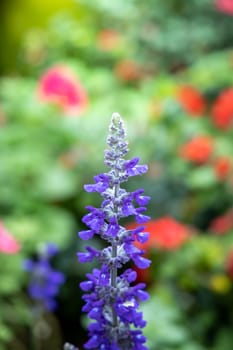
x,y
225,6
108,39
223,223
222,110
60,86
128,70
222,167
8,244
198,150
191,100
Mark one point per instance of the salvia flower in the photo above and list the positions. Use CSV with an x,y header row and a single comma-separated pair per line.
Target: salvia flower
x,y
111,301
45,281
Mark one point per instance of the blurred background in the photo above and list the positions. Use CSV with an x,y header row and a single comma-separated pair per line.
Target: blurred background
x,y
167,68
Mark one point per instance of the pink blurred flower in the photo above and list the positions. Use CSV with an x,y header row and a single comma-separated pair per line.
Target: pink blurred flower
x,y
225,6
60,86
8,244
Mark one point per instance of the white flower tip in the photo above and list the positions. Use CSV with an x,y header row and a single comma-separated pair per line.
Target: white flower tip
x,y
116,119
115,115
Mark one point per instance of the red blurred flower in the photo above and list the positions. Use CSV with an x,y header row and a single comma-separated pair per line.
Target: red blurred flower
x,y
8,244
222,110
225,6
229,264
191,100
108,39
222,224
128,70
165,233
222,167
143,275
198,150
60,86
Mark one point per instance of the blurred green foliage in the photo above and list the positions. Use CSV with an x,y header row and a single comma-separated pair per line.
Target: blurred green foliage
x,y
129,57
17,17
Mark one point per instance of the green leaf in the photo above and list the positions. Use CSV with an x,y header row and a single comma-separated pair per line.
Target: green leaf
x,y
201,178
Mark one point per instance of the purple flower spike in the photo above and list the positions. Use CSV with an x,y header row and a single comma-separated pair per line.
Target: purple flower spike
x,y
111,302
